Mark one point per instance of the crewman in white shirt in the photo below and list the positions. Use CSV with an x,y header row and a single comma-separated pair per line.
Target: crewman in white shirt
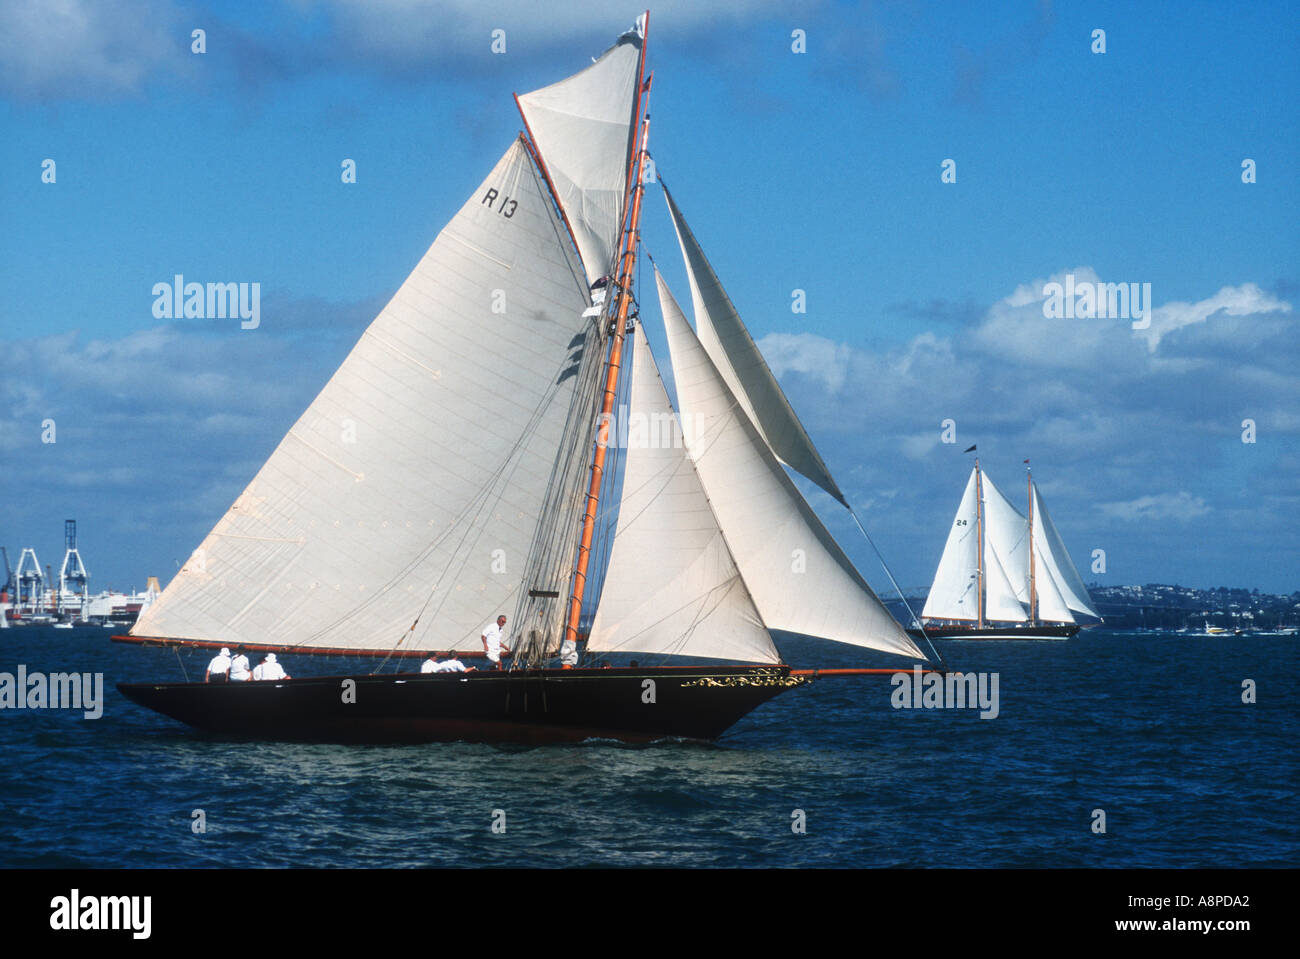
x,y
239,667
219,668
493,641
268,668
452,665
431,664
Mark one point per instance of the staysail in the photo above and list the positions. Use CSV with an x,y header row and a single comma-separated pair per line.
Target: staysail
x,y
1052,557
672,586
738,360
413,485
1051,604
585,127
797,574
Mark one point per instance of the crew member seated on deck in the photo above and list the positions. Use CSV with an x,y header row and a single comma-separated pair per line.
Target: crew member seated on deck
x,y
431,664
219,668
493,641
268,668
239,672
452,664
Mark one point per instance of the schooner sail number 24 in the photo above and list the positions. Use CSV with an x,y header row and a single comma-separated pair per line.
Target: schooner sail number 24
x,y
461,502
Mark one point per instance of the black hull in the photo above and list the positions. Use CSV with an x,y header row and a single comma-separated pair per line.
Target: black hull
x,y
997,632
532,706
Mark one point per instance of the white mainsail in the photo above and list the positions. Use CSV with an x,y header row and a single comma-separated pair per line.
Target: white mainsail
x,y
1052,557
672,586
584,127
738,360
413,484
955,591
798,576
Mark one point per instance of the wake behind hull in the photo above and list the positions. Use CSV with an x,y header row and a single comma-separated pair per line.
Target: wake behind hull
x,y
525,706
1063,631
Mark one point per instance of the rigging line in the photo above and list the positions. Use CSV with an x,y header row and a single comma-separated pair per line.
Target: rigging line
x,y
551,536
459,550
612,510
455,522
466,517
571,545
700,602
571,455
718,593
672,469
579,570
177,651
487,502
889,573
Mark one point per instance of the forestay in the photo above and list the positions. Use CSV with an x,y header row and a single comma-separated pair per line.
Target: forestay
x,y
672,586
413,483
797,574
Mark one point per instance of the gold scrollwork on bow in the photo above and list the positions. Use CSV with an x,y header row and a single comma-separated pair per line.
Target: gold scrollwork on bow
x,y
764,678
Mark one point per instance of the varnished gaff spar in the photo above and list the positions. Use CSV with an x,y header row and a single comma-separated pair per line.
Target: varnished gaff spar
x,y
506,470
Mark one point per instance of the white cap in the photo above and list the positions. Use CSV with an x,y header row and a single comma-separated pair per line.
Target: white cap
x,y
270,657
225,651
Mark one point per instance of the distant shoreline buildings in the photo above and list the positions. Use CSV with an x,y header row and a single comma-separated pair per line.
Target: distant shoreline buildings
x,y
32,595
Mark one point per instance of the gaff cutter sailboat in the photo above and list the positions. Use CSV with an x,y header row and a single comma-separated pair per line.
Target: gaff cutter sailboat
x,y
468,485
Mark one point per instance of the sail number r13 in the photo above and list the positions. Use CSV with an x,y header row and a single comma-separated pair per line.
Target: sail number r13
x,y
508,206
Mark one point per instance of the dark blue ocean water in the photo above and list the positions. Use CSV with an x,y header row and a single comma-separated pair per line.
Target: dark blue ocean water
x,y
1151,729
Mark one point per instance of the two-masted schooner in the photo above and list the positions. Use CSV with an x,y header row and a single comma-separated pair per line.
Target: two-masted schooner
x,y
451,470
1003,575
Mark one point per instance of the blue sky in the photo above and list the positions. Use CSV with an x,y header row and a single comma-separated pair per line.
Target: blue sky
x,y
818,171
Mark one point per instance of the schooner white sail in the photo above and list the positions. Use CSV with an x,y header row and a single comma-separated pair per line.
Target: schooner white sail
x,y
438,480
1006,575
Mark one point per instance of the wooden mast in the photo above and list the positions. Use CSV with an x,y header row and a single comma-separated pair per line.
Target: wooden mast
x,y
626,279
979,546
1033,586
